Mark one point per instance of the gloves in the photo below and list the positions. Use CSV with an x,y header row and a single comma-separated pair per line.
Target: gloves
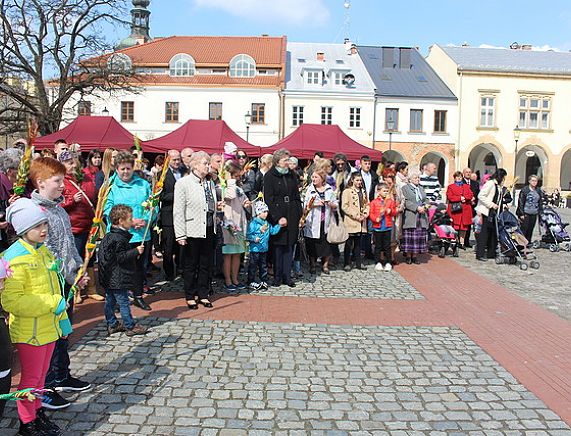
x,y
61,306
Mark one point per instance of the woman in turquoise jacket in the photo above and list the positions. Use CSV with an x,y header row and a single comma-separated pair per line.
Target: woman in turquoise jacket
x,y
131,190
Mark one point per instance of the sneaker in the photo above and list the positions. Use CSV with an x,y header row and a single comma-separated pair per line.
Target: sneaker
x,y
240,286
48,426
347,268
33,428
255,286
230,288
118,328
141,304
147,290
379,267
54,401
137,329
388,267
72,384
264,285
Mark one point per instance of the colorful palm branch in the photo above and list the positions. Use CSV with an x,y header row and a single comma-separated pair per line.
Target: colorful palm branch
x,y
24,166
152,203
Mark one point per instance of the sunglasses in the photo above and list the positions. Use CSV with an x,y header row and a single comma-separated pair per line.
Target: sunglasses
x,y
241,156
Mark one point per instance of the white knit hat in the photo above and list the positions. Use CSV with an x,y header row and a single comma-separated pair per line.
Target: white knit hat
x,y
260,207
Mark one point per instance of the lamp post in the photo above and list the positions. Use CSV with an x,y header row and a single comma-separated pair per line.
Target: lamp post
x,y
248,121
390,128
105,112
517,132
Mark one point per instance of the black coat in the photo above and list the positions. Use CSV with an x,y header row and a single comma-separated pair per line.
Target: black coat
x,y
167,200
281,194
474,187
117,261
374,183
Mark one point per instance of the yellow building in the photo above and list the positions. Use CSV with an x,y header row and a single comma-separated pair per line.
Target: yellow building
x,y
513,110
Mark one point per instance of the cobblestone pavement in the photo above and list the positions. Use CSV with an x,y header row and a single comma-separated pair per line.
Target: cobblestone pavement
x,y
338,284
548,286
224,377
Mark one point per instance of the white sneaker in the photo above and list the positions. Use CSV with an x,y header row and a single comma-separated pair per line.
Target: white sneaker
x,y
255,286
388,267
379,267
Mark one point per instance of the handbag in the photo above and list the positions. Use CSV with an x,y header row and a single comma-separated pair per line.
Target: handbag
x,y
456,206
336,233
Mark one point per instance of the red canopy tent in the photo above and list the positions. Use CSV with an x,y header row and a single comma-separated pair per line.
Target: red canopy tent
x,y
93,132
206,135
308,139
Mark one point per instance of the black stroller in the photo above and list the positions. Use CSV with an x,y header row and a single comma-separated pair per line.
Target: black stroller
x,y
512,243
553,233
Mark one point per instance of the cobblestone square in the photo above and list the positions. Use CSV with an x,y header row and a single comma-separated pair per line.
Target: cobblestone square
x,y
225,377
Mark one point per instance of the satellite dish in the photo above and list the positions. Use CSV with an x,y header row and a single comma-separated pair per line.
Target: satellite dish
x,y
349,79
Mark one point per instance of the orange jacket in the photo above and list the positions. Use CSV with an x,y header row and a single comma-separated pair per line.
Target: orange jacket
x,y
378,209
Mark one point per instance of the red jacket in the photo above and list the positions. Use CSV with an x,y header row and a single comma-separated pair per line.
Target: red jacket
x,y
461,220
80,214
377,209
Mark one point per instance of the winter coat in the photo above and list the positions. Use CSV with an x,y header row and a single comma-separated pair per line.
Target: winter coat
x,y
377,210
460,220
411,205
167,199
352,210
117,260
190,207
489,191
234,212
523,198
133,194
313,221
32,295
80,214
281,194
60,240
259,228
249,183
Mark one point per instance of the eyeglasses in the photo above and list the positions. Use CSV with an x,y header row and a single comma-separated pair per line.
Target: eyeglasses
x,y
241,156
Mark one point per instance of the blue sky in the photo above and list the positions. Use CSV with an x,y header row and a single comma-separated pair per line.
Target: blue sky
x,y
375,22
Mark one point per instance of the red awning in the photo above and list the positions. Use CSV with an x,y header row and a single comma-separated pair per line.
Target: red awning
x,y
94,132
206,135
308,139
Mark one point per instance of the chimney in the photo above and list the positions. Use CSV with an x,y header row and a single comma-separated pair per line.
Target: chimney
x,y
353,49
526,46
265,35
320,56
347,43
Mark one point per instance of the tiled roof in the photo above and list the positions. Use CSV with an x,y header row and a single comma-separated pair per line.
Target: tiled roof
x,y
510,61
210,50
210,80
403,72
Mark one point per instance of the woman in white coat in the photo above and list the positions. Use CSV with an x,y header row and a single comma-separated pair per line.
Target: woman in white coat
x,y
319,203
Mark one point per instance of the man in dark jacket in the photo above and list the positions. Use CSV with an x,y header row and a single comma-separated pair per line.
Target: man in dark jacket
x,y
170,248
281,194
117,263
475,188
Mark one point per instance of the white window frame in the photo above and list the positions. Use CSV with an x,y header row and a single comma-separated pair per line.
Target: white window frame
x,y
421,121
119,62
313,77
242,65
354,117
182,65
528,112
297,116
487,110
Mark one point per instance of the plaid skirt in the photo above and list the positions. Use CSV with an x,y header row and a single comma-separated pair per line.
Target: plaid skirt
x,y
415,240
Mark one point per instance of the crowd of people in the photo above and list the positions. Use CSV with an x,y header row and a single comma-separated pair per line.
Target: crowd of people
x,y
221,214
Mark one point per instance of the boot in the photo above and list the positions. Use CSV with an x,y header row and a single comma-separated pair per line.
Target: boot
x,y
91,286
33,428
45,423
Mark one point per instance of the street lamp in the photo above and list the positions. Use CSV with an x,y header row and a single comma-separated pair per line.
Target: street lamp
x,y
105,112
517,132
390,128
248,121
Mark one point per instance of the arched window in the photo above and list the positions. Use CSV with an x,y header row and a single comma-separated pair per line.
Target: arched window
x,y
242,66
119,62
182,65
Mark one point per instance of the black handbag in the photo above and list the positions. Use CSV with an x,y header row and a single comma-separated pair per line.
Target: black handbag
x,y
456,207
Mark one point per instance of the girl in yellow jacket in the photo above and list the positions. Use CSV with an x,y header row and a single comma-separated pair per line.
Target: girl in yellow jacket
x,y
33,298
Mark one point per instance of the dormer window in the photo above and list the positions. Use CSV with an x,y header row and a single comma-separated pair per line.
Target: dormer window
x,y
119,62
182,65
313,77
242,65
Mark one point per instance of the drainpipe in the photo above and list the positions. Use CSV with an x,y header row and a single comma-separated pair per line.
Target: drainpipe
x,y
282,114
457,151
374,117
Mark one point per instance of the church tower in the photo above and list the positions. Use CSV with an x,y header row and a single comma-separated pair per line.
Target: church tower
x,y
139,25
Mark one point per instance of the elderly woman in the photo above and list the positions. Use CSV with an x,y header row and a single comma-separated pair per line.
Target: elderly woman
x,y
529,206
415,219
234,226
9,162
194,212
355,209
79,198
459,196
319,202
281,193
131,190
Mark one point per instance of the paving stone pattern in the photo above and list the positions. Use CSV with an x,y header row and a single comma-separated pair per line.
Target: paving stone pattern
x,y
339,284
223,377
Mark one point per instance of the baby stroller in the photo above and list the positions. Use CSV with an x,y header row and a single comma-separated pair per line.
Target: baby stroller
x,y
553,233
442,236
512,243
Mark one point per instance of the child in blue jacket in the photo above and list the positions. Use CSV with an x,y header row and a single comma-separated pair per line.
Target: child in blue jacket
x,y
259,232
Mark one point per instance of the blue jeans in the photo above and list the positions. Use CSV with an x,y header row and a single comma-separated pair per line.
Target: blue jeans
x,y
258,262
112,297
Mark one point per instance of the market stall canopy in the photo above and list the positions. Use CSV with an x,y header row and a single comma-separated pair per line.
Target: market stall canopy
x,y
92,132
308,139
206,135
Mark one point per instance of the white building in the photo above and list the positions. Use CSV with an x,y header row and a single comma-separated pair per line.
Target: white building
x,y
415,113
328,84
499,89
